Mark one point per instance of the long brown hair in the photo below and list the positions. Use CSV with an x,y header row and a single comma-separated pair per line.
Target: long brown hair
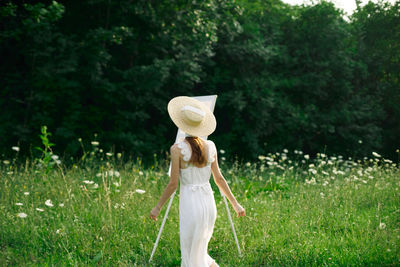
x,y
198,154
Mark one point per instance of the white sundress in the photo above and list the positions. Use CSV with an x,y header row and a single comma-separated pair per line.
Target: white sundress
x,y
197,209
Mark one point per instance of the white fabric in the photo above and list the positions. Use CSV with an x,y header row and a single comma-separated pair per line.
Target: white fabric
x,y
193,109
187,154
197,210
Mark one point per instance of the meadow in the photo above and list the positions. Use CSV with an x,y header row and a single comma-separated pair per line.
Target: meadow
x,y
300,211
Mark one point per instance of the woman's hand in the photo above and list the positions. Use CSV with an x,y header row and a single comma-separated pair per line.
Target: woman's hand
x,y
154,213
239,210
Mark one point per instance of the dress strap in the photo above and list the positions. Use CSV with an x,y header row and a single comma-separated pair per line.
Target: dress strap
x,y
187,154
185,150
212,150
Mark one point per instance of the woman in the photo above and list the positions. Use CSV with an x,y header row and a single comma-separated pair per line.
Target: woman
x,y
193,160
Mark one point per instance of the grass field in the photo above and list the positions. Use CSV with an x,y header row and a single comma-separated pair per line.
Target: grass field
x,y
300,212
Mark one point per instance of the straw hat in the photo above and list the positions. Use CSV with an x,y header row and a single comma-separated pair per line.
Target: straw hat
x,y
191,116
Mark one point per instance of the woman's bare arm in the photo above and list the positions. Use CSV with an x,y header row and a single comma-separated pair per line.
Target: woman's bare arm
x,y
223,186
172,185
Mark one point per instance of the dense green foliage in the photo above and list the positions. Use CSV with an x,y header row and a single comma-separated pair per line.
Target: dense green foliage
x,y
297,77
299,212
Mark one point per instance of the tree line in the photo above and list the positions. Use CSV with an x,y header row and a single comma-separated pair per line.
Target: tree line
x,y
294,77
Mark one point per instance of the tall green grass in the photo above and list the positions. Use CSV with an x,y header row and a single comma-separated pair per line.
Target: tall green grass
x,y
300,212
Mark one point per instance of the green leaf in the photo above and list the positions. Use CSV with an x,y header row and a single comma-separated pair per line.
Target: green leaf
x,y
98,257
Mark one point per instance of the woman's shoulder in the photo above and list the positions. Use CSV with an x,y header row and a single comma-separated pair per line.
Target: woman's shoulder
x,y
210,143
174,148
183,149
212,150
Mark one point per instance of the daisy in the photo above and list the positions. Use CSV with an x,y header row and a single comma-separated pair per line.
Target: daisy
x,y
48,203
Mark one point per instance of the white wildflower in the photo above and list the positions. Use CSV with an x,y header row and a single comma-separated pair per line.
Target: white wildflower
x,y
15,148
376,155
39,209
223,158
140,191
95,186
382,225
313,171
285,150
108,154
26,193
95,143
48,203
311,181
360,141
307,156
322,195
248,164
117,184
261,157
119,155
88,182
22,215
54,157
19,204
61,204
222,151
6,162
140,173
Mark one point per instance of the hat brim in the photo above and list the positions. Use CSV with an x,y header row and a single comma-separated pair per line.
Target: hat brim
x,y
206,126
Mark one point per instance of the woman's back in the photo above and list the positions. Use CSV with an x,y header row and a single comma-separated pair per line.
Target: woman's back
x,y
190,173
197,210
